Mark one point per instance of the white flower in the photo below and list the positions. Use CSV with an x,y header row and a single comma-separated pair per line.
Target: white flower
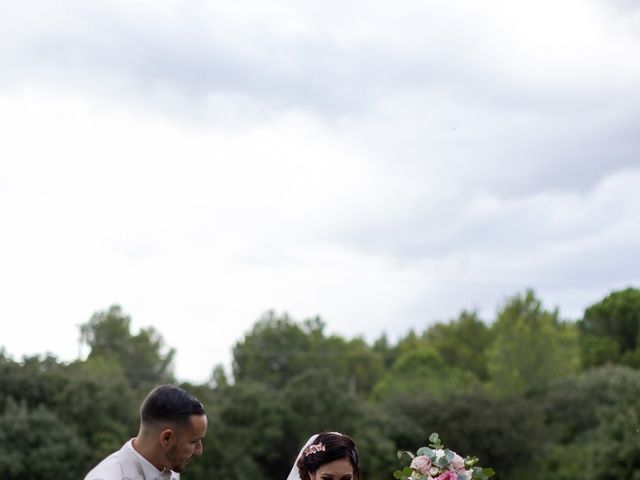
x,y
457,463
439,452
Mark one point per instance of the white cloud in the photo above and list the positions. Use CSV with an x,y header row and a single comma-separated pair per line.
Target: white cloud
x,y
382,166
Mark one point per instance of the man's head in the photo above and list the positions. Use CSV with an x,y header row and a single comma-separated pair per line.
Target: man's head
x,y
172,426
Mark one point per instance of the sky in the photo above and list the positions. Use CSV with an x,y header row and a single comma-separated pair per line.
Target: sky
x,y
381,165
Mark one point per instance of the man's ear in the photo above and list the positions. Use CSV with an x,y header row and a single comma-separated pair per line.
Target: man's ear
x,y
167,436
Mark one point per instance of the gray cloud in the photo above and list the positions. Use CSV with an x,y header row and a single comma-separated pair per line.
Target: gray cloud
x,y
488,224
356,160
110,49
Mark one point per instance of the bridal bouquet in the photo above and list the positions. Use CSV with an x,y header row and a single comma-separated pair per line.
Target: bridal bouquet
x,y
438,463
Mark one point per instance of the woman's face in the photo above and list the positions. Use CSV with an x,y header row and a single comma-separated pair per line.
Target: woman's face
x,y
336,470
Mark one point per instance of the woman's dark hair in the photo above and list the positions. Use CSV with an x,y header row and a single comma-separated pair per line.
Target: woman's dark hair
x,y
335,447
168,403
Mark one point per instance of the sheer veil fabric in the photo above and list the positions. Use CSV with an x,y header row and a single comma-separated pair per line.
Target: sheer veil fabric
x,y
294,474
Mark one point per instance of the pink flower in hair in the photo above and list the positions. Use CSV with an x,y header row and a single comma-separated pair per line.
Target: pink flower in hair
x,y
311,449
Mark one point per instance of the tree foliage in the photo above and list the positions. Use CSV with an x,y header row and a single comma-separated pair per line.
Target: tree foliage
x,y
531,346
462,343
278,348
36,444
422,372
610,330
142,356
509,391
594,419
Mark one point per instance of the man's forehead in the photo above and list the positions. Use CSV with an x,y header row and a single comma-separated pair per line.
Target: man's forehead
x,y
198,424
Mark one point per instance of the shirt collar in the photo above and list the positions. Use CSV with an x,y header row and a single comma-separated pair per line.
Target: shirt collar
x,y
149,470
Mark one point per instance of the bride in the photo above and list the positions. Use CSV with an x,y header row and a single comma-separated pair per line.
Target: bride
x,y
326,456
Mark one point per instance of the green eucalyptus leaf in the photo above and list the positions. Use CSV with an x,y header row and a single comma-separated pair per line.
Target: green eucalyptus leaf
x,y
403,452
489,472
470,461
397,474
441,462
426,451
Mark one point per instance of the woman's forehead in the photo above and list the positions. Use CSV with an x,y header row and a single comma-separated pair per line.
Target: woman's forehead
x,y
336,468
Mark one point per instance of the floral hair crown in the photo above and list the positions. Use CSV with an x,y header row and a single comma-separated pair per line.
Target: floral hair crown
x,y
318,447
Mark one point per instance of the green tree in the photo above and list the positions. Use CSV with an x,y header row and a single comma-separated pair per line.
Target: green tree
x,y
143,356
34,381
531,346
384,350
36,445
93,396
610,330
410,342
279,348
99,401
315,401
245,425
593,421
423,372
462,343
376,449
276,349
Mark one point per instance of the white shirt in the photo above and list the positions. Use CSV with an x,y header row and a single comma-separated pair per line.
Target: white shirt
x,y
128,464
150,472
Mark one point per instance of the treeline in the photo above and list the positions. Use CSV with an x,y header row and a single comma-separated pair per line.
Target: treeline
x,y
533,395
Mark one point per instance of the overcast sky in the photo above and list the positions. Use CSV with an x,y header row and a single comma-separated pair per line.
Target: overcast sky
x,y
381,164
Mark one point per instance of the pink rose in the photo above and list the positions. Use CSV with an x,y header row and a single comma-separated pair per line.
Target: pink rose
x,y
448,475
457,463
421,464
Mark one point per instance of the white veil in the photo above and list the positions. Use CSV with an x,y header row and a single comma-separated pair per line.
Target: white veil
x,y
294,474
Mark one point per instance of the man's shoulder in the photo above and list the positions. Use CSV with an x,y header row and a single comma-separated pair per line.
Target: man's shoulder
x,y
108,469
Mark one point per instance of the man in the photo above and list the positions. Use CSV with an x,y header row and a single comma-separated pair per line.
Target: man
x,y
172,426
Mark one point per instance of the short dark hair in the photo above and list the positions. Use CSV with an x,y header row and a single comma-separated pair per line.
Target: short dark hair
x,y
168,403
336,446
